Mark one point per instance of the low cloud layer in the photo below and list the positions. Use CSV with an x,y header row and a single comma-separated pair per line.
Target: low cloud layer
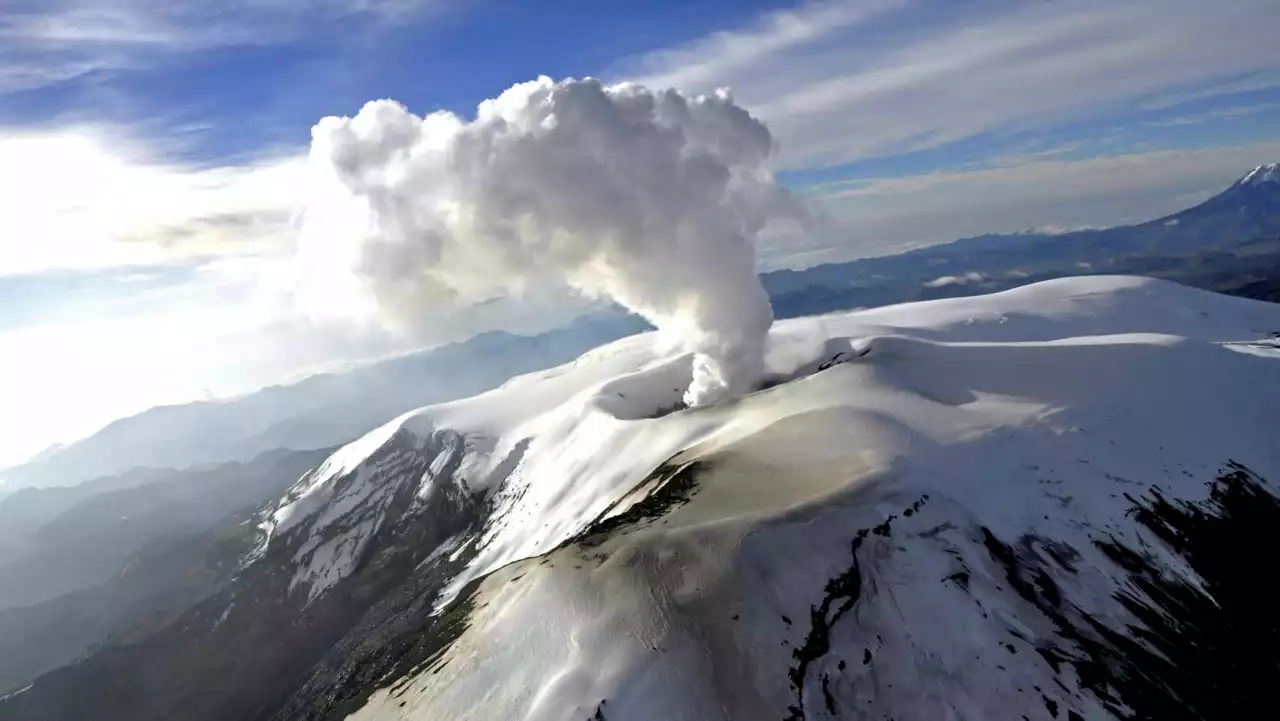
x,y
954,280
650,198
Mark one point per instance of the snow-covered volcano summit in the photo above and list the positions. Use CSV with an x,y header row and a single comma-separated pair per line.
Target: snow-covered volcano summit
x,y
1262,174
1018,505
557,449
641,564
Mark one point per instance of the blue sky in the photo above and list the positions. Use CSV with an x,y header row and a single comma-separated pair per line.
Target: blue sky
x,y
150,152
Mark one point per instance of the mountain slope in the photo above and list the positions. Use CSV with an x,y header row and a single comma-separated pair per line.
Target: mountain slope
x,y
854,544
26,510
953,509
85,543
1248,209
118,564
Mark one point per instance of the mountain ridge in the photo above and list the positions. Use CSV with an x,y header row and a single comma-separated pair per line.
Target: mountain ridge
x,y
571,545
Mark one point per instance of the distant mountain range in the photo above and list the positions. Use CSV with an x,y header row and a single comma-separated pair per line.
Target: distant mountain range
x,y
120,557
1229,243
320,411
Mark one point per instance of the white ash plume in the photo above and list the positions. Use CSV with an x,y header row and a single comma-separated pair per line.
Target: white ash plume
x,y
651,198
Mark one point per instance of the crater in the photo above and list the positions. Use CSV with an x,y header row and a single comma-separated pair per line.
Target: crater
x,y
658,390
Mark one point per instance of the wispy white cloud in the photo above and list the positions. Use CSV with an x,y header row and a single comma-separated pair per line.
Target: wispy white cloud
x,y
710,60
47,41
1259,82
921,75
198,22
29,74
120,25
85,198
1227,113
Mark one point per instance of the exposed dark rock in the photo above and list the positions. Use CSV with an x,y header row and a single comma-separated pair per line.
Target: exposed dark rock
x,y
839,596
667,488
1206,648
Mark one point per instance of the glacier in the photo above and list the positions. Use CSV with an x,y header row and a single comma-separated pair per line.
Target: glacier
x,y
641,560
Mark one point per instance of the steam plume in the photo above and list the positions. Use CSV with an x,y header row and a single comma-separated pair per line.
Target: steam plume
x,y
653,199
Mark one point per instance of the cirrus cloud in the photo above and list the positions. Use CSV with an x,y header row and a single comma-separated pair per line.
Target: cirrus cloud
x,y
884,78
84,198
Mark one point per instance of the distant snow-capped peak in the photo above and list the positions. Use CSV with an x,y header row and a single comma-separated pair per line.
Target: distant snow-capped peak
x,y
1262,174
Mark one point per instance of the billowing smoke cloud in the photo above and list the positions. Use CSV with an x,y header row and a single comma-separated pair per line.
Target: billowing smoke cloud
x,y
653,199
